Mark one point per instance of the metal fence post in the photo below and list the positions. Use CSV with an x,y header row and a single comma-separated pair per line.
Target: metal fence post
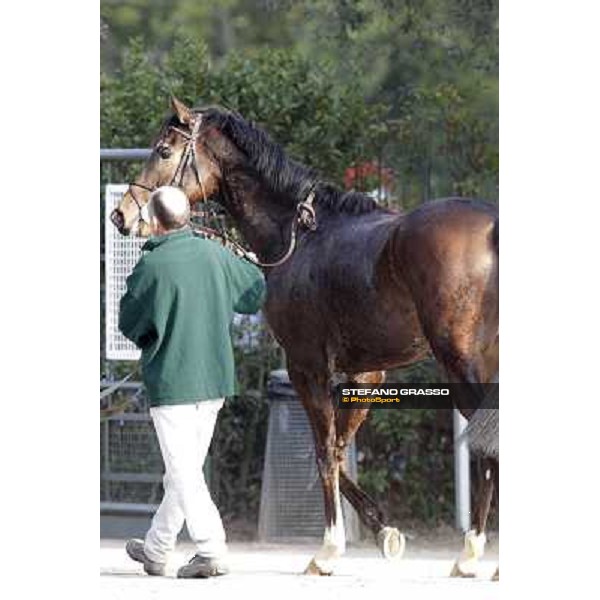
x,y
462,483
119,154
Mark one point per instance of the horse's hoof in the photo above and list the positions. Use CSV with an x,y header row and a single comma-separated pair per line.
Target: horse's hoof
x,y
466,565
314,569
462,570
496,575
391,542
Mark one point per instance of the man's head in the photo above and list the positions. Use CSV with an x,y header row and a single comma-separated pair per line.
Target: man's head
x,y
167,210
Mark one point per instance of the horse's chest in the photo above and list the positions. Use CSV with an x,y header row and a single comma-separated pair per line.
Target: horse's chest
x,y
316,304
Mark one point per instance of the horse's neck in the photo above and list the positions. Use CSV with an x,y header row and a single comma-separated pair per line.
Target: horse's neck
x,y
263,220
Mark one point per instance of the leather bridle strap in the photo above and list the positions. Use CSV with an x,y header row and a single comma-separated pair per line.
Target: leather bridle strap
x,y
133,195
189,154
242,252
305,215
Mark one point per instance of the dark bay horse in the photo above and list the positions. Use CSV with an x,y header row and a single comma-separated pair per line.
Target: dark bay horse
x,y
357,288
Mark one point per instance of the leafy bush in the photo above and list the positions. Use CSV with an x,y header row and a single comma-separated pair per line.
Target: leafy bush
x,y
323,124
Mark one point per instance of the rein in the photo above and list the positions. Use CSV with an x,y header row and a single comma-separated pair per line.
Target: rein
x,y
305,215
305,211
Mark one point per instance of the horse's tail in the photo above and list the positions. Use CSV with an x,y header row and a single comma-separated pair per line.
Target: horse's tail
x,y
483,433
483,430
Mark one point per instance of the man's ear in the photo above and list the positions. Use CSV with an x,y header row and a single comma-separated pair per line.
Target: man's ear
x,y
184,114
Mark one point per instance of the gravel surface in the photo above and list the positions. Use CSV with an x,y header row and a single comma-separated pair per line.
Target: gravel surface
x,y
268,570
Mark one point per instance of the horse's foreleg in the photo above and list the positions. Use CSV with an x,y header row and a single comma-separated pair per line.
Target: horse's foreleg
x,y
334,538
314,393
475,539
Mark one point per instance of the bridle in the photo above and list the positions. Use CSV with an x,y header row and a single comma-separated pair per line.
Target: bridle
x,y
305,211
188,155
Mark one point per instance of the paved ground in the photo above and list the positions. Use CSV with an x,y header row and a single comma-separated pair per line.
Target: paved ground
x,y
261,570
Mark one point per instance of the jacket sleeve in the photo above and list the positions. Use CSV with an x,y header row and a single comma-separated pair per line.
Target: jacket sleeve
x,y
247,285
136,308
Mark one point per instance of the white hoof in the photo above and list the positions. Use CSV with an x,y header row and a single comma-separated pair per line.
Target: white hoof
x,y
391,542
314,569
465,569
468,562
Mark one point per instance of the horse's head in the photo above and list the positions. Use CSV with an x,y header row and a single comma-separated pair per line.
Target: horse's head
x,y
180,157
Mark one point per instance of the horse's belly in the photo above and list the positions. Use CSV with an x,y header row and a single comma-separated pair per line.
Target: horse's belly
x,y
380,345
350,331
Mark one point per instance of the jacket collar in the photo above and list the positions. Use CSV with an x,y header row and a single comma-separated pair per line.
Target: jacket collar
x,y
159,240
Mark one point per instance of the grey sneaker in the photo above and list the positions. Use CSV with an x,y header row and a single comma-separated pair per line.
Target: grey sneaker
x,y
135,550
201,566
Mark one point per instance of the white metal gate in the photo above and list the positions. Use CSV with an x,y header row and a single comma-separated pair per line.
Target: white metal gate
x,y
122,253
131,465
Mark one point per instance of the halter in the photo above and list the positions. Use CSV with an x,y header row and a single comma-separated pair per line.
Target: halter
x,y
305,212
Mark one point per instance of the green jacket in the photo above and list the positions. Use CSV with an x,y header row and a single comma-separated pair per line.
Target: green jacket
x,y
178,309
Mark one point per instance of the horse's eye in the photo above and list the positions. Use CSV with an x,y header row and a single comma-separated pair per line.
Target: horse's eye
x,y
164,151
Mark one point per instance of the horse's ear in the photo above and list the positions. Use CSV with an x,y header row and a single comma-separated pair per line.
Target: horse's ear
x,y
184,114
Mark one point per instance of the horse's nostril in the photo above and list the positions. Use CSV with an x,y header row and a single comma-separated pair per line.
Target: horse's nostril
x,y
117,219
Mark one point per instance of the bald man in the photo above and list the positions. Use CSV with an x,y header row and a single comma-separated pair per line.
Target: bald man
x,y
179,304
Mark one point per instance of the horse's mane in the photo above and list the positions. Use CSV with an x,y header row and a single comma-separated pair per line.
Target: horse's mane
x,y
280,173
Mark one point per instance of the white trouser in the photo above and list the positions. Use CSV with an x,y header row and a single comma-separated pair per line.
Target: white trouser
x,y
184,432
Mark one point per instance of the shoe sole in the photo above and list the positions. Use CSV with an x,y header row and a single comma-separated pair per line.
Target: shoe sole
x,y
204,574
149,567
159,572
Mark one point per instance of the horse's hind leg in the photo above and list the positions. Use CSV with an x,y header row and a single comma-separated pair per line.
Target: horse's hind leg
x,y
491,481
471,371
496,575
466,564
469,354
451,267
313,390
390,541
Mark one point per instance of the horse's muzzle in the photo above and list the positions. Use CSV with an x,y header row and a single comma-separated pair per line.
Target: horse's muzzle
x,y
118,220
